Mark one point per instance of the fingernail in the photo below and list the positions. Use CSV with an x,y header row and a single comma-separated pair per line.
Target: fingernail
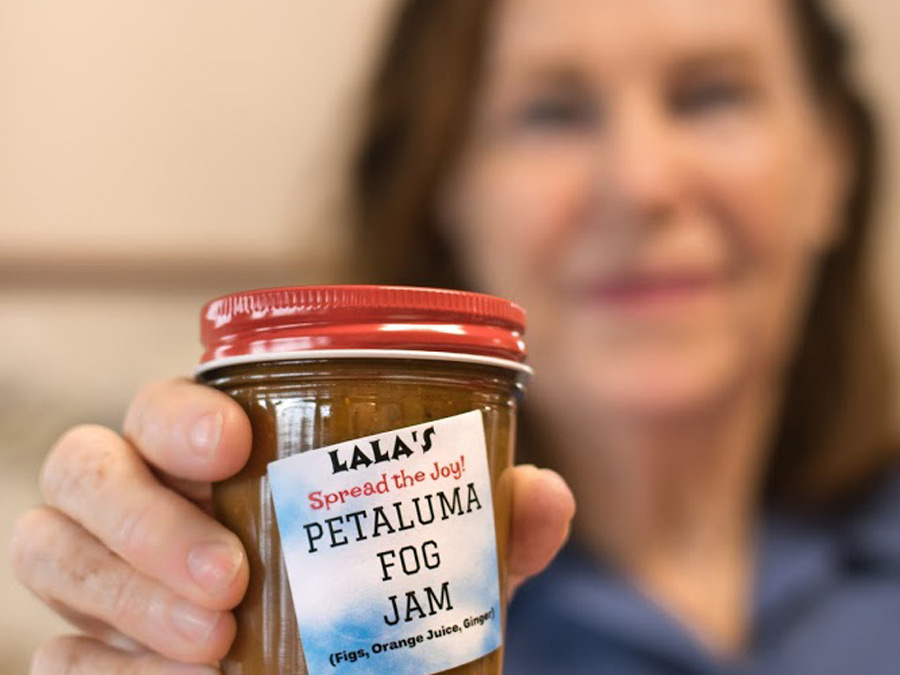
x,y
214,565
194,624
205,433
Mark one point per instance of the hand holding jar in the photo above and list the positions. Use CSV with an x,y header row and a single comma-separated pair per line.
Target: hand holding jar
x,y
127,549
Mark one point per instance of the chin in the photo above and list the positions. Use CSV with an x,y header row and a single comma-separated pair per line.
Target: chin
x,y
659,382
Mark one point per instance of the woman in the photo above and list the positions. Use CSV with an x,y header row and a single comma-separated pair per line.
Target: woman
x,y
678,192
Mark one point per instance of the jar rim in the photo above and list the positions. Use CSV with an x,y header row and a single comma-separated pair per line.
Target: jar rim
x,y
522,371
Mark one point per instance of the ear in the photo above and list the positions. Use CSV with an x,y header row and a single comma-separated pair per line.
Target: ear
x,y
834,164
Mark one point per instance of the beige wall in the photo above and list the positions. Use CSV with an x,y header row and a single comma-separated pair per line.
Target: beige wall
x,y
155,153
172,129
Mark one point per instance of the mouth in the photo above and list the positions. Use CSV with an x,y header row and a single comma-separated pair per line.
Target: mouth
x,y
644,291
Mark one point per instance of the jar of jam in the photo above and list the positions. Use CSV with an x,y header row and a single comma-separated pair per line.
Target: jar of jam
x,y
375,504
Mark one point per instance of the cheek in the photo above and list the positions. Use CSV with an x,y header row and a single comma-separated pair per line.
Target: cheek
x,y
761,192
513,216
748,185
769,189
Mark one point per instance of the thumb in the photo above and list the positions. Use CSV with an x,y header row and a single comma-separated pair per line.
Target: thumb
x,y
542,511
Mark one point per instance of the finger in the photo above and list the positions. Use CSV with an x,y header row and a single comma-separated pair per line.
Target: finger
x,y
64,565
96,478
99,630
542,511
79,655
188,430
23,560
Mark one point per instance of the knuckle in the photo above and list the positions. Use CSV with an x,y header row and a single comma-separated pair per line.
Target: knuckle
x,y
51,557
134,531
79,461
134,414
30,539
129,603
143,401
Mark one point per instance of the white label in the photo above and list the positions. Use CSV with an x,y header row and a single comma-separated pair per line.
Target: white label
x,y
390,549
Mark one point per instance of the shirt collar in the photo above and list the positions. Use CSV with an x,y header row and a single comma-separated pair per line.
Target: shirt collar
x,y
800,558
598,598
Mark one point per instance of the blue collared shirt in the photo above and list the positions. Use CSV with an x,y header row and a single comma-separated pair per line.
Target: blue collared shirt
x,y
826,602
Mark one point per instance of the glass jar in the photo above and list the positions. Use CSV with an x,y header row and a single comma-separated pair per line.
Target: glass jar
x,y
375,505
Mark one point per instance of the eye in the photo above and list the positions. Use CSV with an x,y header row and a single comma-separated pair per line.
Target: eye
x,y
557,112
711,96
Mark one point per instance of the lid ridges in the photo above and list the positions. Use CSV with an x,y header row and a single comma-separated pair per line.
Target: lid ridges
x,y
401,301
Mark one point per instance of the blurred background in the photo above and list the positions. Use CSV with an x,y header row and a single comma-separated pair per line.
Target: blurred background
x,y
155,155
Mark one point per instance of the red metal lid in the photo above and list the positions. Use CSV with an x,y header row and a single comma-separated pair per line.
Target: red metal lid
x,y
280,322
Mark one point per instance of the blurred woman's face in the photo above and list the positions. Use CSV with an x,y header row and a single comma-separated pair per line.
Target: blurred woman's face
x,y
654,181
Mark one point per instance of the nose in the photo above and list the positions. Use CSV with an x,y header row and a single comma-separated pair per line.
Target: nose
x,y
642,176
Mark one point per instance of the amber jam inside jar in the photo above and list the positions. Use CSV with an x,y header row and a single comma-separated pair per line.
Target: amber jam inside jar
x,y
375,506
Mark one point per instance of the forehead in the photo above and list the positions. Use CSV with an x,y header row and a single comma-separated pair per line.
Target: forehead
x,y
625,33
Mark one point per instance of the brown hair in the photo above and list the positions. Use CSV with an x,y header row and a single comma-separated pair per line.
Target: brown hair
x,y
836,418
